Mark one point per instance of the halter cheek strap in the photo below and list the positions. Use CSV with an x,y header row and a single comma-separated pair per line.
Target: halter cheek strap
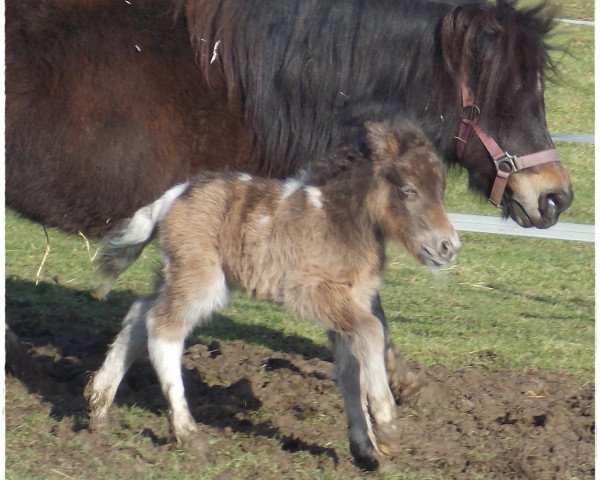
x,y
505,163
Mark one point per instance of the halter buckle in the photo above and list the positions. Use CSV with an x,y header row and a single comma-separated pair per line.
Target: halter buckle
x,y
506,163
470,112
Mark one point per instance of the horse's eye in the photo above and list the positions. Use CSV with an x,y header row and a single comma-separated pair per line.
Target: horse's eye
x,y
408,191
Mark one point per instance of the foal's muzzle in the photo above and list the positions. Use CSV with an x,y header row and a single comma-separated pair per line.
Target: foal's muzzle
x,y
441,251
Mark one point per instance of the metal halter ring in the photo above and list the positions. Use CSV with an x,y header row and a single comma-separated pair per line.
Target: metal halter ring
x,y
506,163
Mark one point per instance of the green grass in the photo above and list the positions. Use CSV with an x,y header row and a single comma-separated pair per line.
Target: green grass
x,y
573,9
570,98
509,303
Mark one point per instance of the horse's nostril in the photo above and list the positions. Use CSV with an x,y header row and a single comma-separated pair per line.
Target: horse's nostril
x,y
552,202
446,250
556,202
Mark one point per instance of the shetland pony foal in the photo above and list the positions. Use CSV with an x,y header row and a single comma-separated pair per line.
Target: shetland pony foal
x,y
317,249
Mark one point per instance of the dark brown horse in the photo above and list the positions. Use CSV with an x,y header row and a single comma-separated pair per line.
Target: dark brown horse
x,y
107,107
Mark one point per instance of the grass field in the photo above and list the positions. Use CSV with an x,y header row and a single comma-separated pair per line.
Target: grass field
x,y
573,9
485,311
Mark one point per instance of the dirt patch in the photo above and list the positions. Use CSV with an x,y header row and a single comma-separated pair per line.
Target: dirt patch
x,y
285,407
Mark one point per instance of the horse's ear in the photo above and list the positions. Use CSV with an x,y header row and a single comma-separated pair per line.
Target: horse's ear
x,y
381,140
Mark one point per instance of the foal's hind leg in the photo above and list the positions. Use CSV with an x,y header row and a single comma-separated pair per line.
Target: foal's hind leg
x,y
405,384
129,344
184,302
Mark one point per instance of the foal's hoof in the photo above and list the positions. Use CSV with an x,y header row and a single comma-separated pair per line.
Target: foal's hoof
x,y
187,435
365,457
100,293
97,407
368,458
388,439
98,424
195,443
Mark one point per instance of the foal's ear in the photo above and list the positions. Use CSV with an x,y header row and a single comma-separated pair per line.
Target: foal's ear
x,y
382,141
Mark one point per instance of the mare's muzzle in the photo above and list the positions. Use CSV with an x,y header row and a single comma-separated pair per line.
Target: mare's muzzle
x,y
505,163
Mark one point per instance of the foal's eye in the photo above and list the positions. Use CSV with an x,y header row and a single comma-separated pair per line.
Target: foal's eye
x,y
407,191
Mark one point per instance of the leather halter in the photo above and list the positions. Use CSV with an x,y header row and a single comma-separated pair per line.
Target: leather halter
x,y
505,163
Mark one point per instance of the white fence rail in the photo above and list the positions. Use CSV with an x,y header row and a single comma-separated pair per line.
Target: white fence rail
x,y
496,225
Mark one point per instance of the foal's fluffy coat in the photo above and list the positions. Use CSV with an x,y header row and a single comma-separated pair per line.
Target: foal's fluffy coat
x,y
317,249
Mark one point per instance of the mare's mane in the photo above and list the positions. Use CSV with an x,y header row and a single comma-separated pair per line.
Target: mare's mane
x,y
304,71
500,51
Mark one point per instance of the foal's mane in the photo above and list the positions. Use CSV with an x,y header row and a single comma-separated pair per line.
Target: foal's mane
x,y
302,71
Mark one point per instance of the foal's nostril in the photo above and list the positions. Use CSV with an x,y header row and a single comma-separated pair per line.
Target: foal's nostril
x,y
446,250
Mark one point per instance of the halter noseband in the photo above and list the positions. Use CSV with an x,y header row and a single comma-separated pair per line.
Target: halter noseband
x,y
505,163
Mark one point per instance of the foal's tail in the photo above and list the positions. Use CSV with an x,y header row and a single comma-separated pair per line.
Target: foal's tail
x,y
125,244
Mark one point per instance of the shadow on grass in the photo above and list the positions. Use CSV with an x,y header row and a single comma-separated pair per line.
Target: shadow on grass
x,y
64,318
70,334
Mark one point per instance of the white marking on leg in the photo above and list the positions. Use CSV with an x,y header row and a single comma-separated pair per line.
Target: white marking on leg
x,y
369,348
166,359
211,298
244,177
313,196
129,345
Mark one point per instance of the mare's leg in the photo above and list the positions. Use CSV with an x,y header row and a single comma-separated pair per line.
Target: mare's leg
x,y
188,298
404,383
130,343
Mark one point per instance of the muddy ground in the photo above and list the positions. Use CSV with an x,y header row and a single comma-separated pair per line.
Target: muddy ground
x,y
470,424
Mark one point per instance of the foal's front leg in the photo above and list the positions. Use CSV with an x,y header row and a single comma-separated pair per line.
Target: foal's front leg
x,y
369,347
348,376
405,384
361,376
